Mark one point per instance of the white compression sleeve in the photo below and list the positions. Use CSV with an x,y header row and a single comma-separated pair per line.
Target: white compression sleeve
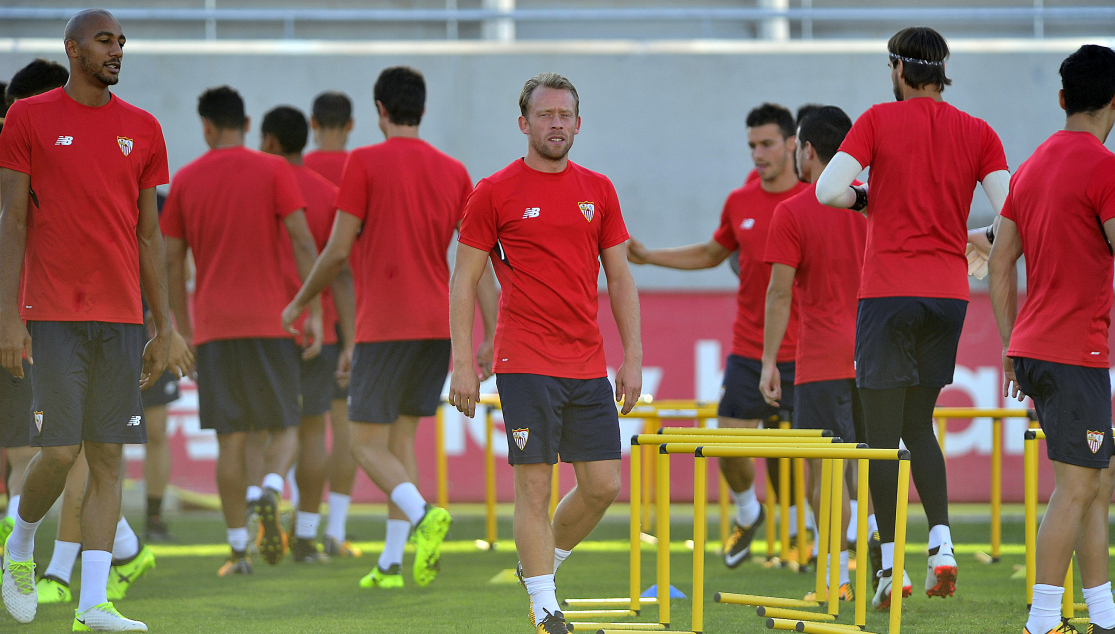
x,y
996,185
833,185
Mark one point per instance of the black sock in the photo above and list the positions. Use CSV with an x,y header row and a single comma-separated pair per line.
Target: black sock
x,y
154,506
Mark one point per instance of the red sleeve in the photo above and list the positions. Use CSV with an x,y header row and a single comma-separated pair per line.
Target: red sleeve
x,y
288,196
992,157
16,139
860,142
155,172
725,233
480,224
613,231
352,197
1104,188
466,189
170,220
783,239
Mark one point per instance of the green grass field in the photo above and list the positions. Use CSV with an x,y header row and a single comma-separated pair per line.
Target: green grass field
x,y
184,594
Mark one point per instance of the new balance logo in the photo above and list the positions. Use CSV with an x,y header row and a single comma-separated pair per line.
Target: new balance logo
x,y
532,212
64,140
134,421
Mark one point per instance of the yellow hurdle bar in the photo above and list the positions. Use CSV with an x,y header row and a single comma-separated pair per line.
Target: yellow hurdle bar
x,y
662,501
555,489
700,526
597,614
826,628
800,615
846,451
768,505
996,488
783,624
758,601
903,499
489,482
1030,466
784,503
835,534
595,627
636,532
979,412
862,567
799,496
824,518
442,462
704,438
745,431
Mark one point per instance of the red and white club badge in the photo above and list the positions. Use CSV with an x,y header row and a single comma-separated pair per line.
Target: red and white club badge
x,y
520,436
588,209
125,145
1095,440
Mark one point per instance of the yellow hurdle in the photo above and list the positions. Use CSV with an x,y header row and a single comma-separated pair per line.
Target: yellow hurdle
x,y
441,461
800,615
759,601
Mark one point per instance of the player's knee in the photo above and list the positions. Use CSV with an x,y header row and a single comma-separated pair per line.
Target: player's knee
x,y
59,459
602,492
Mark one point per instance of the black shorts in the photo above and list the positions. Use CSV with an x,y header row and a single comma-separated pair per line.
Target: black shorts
x,y
86,383
833,405
163,392
15,408
318,380
907,341
397,378
248,384
546,417
1074,408
740,396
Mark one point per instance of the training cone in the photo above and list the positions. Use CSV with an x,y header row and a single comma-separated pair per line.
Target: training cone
x,y
652,592
505,577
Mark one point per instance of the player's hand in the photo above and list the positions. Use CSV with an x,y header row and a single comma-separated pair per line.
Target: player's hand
x,y
464,389
14,342
344,366
484,356
629,384
290,315
1010,381
770,384
313,334
977,261
181,359
636,252
155,356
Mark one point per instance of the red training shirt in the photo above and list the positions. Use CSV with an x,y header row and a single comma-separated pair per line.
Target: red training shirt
x,y
228,206
87,167
328,163
743,225
410,196
545,232
1059,198
926,158
825,245
319,195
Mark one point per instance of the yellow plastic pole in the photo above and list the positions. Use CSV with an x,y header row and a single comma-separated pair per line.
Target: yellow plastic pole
x,y
862,568
942,431
769,504
700,526
900,543
555,489
636,531
1031,483
835,535
725,510
784,504
824,516
442,463
648,480
1066,599
662,521
996,487
753,600
799,499
489,481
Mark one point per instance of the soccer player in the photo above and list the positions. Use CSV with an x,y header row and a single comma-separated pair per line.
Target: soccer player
x,y
284,131
331,120
399,204
1057,350
819,250
58,216
926,158
548,224
230,207
744,223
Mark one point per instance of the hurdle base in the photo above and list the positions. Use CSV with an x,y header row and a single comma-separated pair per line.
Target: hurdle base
x,y
608,602
611,631
800,615
760,601
792,625
598,614
589,626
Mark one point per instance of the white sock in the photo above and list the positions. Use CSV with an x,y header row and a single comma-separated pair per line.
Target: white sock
x,y
853,521
816,551
844,567
13,506
21,543
888,556
939,536
305,525
338,516
747,506
872,525
238,539
559,556
62,561
393,545
293,484
543,593
810,524
253,494
126,545
793,521
95,566
1045,611
274,482
406,497
1101,608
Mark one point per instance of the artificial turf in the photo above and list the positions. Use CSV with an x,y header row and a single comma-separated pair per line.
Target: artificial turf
x,y
184,594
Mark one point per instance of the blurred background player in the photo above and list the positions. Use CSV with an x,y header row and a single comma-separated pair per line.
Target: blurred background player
x,y
229,207
399,204
744,223
926,158
818,250
331,121
93,357
550,370
1057,351
284,130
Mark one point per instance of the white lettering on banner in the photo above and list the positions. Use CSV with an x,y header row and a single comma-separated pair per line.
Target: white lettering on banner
x,y
982,388
709,374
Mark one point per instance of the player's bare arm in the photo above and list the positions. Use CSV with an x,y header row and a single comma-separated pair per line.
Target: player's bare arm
x,y
487,298
1004,294
344,299
333,259
775,321
624,298
468,269
305,255
14,338
153,280
688,258
996,185
834,187
178,296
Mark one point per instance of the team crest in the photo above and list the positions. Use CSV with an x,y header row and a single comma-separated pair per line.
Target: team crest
x,y
588,209
125,145
520,436
39,421
1095,439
